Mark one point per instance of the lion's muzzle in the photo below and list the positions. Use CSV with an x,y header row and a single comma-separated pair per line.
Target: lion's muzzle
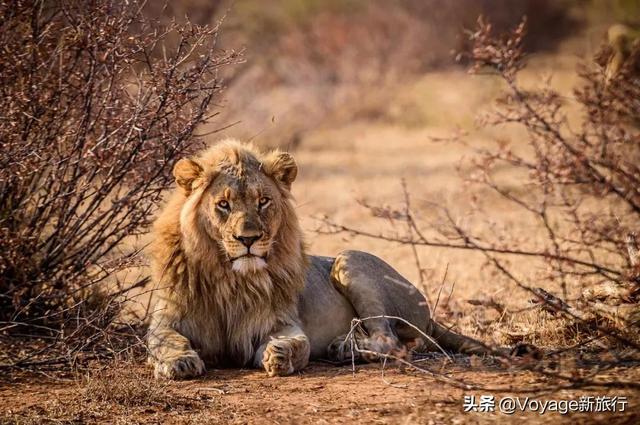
x,y
248,253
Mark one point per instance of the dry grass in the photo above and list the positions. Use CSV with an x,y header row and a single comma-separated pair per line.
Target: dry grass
x,y
322,393
118,386
110,390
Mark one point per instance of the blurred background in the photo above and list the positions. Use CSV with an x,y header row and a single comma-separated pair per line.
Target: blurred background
x,y
313,64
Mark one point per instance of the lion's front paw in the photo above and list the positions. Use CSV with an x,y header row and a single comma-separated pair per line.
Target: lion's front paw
x,y
182,366
283,356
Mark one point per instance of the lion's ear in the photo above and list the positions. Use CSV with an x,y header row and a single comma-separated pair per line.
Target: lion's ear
x,y
186,171
282,167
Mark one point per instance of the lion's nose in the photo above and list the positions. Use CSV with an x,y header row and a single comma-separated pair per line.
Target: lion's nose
x,y
247,240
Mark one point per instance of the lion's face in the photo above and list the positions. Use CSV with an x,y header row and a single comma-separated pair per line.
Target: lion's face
x,y
239,202
242,212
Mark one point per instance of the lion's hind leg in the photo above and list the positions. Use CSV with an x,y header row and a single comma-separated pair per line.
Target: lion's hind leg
x,y
379,295
359,347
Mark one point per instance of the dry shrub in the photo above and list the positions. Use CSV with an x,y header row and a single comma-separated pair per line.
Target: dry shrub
x,y
96,108
581,186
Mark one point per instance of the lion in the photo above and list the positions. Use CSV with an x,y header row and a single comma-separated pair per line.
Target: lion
x,y
621,41
235,286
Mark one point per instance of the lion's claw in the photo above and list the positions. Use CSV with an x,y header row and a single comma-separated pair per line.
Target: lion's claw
x,y
187,365
283,356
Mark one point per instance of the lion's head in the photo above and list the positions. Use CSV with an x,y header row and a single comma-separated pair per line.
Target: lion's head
x,y
239,200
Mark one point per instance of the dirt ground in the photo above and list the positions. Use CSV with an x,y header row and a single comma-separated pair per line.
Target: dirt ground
x,y
321,394
338,166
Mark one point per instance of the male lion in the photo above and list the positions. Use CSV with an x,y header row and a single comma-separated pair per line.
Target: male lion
x,y
235,286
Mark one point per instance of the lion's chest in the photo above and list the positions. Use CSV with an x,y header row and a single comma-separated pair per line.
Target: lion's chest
x,y
228,328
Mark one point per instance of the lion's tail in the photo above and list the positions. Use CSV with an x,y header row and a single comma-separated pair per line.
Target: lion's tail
x,y
452,341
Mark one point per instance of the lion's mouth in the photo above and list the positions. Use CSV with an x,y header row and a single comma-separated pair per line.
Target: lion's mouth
x,y
249,255
248,263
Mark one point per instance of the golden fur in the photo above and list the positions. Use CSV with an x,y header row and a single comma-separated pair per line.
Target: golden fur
x,y
211,306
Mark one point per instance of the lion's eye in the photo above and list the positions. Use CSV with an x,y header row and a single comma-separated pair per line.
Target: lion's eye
x,y
223,204
263,202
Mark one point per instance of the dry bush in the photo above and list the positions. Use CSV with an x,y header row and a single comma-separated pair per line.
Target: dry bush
x,y
96,108
581,186
578,186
